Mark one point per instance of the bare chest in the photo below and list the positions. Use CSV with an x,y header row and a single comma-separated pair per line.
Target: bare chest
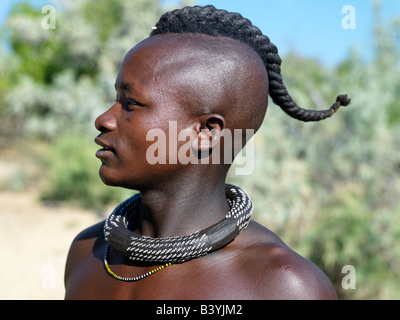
x,y
193,280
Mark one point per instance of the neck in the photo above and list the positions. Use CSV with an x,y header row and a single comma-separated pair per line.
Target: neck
x,y
180,211
170,248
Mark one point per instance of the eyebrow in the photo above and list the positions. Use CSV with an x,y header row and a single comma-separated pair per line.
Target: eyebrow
x,y
124,86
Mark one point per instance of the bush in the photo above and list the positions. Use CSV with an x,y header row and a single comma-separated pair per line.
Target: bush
x,y
73,175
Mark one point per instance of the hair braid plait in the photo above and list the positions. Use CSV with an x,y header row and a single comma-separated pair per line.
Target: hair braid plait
x,y
211,21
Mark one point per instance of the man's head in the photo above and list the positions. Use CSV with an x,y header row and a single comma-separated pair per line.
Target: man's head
x,y
208,77
202,83
206,70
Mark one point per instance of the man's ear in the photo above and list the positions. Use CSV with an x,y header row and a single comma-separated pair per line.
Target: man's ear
x,y
209,132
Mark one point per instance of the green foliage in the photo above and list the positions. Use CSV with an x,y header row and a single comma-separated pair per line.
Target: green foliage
x,y
73,175
67,74
349,233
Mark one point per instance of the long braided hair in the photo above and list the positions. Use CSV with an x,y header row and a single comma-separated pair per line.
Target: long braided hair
x,y
211,21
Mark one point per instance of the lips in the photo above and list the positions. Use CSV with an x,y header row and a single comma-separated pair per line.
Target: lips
x,y
106,148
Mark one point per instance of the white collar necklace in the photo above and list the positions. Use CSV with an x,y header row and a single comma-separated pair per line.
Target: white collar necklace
x,y
177,249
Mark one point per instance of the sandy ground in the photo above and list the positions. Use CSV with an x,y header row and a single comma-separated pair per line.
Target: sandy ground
x,y
34,242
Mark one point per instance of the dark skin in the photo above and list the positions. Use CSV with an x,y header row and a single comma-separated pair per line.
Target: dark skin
x,y
206,84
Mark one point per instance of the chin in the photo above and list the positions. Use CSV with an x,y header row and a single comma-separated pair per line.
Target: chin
x,y
107,177
113,180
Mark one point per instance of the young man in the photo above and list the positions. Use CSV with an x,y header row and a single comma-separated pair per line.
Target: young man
x,y
187,235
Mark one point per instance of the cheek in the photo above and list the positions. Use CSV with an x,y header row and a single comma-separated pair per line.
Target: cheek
x,y
131,141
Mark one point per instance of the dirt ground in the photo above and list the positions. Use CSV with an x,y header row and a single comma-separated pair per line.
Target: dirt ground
x,y
34,242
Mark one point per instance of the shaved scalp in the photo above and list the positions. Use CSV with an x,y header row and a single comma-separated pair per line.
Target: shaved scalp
x,y
211,75
221,23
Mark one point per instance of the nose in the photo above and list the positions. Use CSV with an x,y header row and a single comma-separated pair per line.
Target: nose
x,y
106,121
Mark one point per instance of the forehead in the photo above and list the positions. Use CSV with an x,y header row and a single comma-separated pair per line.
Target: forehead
x,y
195,70
173,45
174,53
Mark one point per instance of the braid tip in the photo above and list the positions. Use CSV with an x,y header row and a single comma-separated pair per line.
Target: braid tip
x,y
343,100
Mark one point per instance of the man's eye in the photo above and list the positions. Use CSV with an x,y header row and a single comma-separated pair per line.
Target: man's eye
x,y
131,102
127,102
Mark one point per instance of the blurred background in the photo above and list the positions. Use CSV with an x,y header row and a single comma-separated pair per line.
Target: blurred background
x,y
330,190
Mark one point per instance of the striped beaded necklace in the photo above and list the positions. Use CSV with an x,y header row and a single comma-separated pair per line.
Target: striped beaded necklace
x,y
168,251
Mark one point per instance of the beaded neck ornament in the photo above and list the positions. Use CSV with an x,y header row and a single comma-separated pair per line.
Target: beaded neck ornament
x,y
174,249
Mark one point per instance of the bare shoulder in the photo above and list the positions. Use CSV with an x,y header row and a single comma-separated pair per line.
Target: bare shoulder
x,y
281,273
82,247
